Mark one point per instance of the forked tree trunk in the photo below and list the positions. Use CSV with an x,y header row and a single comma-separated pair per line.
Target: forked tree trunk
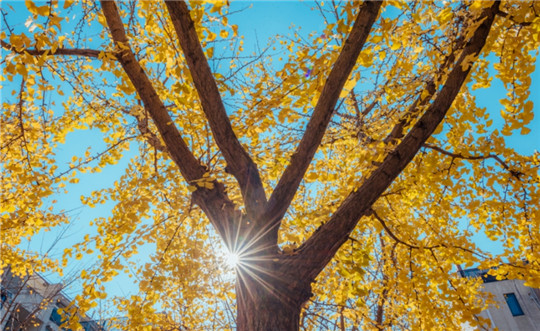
x,y
269,300
271,288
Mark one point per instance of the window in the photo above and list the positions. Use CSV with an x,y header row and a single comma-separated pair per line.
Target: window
x,y
55,317
3,297
513,304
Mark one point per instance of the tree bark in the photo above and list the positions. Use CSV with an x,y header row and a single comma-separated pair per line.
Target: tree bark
x,y
239,163
267,313
268,296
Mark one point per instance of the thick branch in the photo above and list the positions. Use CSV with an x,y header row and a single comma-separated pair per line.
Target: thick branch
x,y
214,202
291,178
180,153
239,163
319,249
59,51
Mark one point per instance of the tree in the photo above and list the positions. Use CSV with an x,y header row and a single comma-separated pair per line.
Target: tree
x,y
342,175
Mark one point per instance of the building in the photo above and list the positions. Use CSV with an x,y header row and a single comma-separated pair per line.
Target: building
x,y
31,303
518,305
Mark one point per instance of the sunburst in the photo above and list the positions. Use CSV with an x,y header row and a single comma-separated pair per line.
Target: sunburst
x,y
232,259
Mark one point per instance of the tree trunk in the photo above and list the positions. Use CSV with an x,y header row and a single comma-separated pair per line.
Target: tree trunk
x,y
268,299
266,314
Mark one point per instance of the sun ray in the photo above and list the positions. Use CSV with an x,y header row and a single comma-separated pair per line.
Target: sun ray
x,y
243,247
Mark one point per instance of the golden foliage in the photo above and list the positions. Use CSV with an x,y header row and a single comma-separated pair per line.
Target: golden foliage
x,y
467,179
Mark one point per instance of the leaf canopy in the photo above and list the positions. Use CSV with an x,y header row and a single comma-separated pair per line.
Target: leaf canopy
x,y
89,94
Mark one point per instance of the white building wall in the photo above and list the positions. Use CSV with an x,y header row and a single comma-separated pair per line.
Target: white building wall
x,y
502,317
